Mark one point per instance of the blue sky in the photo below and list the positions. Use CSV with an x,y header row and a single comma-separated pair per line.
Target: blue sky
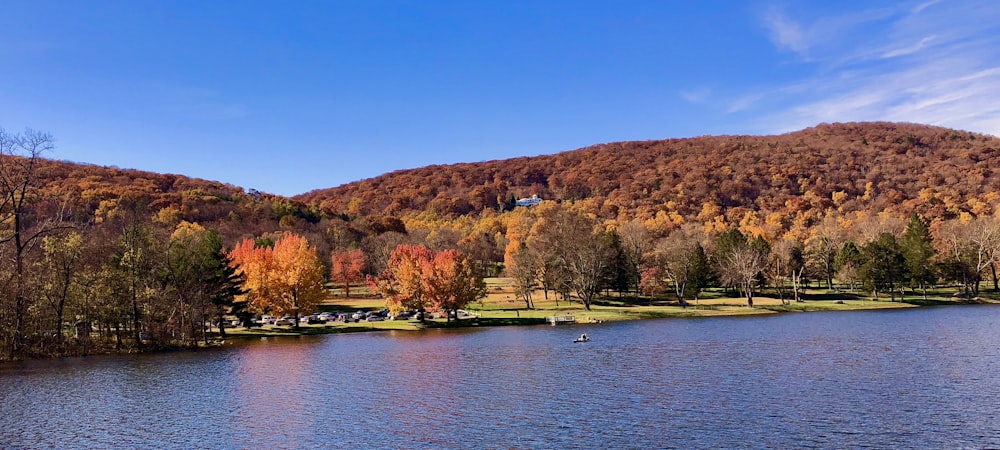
x,y
290,96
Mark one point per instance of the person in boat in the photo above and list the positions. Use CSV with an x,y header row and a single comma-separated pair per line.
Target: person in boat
x,y
583,337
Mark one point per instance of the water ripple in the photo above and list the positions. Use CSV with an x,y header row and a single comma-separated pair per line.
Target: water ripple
x,y
919,378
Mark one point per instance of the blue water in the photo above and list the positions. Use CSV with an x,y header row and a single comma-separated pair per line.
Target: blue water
x,y
918,378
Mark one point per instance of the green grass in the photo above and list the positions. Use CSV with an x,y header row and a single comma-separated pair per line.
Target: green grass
x,y
502,308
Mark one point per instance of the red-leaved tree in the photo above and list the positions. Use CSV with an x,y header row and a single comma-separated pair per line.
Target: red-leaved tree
x,y
424,280
347,267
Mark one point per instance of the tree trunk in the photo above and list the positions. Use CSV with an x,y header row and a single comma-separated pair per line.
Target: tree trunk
x,y
59,325
996,283
679,291
17,344
222,327
135,316
295,307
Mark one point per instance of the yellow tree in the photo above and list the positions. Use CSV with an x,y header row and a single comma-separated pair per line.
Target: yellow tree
x,y
284,279
298,276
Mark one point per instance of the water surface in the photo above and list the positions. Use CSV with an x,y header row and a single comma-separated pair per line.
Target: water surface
x,y
924,378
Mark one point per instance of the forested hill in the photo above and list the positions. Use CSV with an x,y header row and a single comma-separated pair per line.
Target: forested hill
x,y
875,166
86,192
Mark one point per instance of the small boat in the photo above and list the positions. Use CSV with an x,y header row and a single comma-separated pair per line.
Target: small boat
x,y
583,338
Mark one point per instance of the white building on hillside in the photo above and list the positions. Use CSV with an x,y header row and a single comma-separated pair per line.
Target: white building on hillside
x,y
533,201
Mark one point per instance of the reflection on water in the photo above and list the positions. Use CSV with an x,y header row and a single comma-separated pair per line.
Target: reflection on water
x,y
888,379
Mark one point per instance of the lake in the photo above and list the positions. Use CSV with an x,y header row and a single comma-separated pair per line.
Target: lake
x,y
915,378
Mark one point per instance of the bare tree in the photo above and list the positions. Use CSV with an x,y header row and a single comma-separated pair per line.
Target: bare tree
x,y
522,267
786,265
572,255
822,247
20,155
745,264
741,261
588,259
378,249
547,239
635,243
971,247
679,257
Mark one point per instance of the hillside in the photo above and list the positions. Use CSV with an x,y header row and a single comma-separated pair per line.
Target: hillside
x,y
86,192
878,166
795,177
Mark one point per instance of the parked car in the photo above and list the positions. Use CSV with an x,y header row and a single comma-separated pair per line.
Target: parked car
x,y
404,315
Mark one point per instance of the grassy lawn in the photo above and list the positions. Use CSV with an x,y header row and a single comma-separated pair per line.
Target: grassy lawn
x,y
502,307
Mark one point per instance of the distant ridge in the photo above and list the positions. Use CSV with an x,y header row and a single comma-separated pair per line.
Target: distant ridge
x,y
869,166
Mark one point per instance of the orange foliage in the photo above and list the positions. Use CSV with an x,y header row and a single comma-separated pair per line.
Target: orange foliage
x,y
347,267
421,279
284,279
843,168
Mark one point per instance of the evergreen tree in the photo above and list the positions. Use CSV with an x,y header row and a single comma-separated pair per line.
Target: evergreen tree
x,y
224,283
701,271
883,265
619,275
918,251
848,264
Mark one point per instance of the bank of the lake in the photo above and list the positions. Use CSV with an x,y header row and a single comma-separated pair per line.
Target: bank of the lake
x,y
499,310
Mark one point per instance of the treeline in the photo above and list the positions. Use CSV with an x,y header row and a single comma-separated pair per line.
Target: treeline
x,y
571,254
99,259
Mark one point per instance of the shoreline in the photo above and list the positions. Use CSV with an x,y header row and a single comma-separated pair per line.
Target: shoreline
x,y
495,314
598,314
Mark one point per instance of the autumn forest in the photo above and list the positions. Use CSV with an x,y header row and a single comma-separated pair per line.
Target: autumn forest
x,y
100,259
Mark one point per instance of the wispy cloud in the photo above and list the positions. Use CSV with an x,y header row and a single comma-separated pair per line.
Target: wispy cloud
x,y
786,33
818,39
934,63
744,102
917,9
696,95
909,50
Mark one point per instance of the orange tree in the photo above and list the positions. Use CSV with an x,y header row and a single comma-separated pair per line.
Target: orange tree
x,y
451,282
401,284
286,278
424,280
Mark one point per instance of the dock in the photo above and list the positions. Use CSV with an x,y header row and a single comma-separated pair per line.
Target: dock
x,y
560,320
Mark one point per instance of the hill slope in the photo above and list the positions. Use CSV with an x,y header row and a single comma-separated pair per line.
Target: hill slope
x,y
852,166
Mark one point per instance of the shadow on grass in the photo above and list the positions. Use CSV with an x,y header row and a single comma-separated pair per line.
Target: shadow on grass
x,y
627,302
488,322
919,301
831,296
